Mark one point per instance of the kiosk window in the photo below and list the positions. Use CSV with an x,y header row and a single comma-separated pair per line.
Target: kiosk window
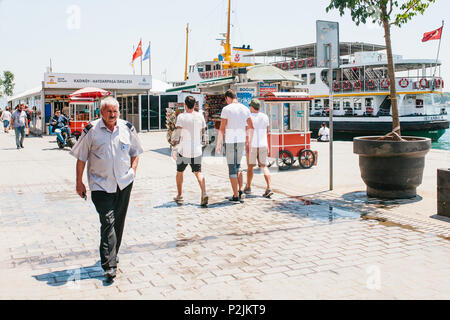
x,y
317,104
369,102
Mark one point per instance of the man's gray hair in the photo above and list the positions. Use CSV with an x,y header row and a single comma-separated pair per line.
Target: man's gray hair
x,y
109,101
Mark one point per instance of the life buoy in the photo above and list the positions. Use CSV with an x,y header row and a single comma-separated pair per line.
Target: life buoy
x,y
300,63
423,83
203,74
370,84
337,86
357,85
347,85
403,82
385,83
292,64
284,65
310,62
230,72
438,82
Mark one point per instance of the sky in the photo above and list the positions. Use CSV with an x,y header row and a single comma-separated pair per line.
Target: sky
x,y
97,36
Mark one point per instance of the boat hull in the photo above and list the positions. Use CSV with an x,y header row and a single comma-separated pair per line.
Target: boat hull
x,y
348,128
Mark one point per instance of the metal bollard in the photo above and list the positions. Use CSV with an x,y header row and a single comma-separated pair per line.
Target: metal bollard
x,y
443,192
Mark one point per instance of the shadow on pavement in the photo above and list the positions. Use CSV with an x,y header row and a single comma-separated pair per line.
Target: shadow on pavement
x,y
72,276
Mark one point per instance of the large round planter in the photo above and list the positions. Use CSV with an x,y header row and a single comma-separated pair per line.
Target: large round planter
x,y
391,169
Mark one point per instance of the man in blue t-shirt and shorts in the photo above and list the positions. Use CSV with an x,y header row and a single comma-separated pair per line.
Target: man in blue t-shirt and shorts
x,y
236,124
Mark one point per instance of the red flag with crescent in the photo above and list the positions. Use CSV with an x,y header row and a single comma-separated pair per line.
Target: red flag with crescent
x,y
433,35
138,51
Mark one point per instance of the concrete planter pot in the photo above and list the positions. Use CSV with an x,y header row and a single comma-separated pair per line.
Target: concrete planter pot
x,y
391,169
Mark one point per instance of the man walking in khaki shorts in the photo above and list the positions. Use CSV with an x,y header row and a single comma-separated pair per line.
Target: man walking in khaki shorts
x,y
258,149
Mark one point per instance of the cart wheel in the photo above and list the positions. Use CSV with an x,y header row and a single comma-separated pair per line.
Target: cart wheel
x,y
306,158
285,160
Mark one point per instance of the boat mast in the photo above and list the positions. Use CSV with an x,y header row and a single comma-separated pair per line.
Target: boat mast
x,y
227,45
187,46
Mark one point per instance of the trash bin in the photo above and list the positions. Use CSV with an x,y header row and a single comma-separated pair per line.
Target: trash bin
x,y
443,192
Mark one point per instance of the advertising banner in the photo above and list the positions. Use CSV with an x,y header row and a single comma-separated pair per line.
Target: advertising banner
x,y
103,81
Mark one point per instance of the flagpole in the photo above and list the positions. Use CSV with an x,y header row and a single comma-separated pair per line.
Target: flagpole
x,y
149,60
437,58
132,61
140,41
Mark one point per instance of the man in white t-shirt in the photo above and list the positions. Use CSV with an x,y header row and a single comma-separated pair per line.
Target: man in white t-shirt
x,y
324,133
19,123
188,136
6,119
258,149
236,123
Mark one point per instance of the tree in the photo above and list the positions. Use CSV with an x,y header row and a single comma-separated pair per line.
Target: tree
x,y
386,13
7,83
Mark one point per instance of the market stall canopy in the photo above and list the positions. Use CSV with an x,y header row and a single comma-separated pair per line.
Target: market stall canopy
x,y
270,73
90,92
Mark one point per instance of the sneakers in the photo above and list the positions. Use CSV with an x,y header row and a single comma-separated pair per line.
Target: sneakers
x,y
248,190
241,195
110,274
178,199
234,199
268,193
204,201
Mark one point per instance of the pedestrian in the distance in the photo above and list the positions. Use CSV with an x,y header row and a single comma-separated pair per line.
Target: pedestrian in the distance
x,y
19,123
324,133
190,128
111,148
235,125
257,151
6,119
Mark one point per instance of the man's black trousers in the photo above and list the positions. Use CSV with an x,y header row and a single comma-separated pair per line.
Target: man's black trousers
x,y
112,209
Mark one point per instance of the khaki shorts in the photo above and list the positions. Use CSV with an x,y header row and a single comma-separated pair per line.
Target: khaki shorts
x,y
259,154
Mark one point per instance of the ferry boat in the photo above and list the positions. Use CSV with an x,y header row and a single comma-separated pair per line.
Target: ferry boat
x,y
361,104
222,69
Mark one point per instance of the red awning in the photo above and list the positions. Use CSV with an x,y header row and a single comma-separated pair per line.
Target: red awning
x,y
90,92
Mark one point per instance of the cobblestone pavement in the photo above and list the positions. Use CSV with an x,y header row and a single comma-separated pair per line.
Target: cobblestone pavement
x,y
287,247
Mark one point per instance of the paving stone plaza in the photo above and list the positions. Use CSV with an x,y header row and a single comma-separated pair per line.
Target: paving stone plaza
x,y
304,243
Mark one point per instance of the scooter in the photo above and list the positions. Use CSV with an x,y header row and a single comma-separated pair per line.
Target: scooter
x,y
68,141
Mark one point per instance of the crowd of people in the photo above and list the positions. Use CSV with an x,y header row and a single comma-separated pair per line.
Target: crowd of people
x,y
110,147
19,121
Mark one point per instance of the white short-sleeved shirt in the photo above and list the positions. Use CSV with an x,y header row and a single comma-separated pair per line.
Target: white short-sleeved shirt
x,y
19,118
260,123
108,155
324,132
236,115
191,125
6,115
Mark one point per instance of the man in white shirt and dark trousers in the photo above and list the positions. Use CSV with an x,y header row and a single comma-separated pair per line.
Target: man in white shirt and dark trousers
x,y
258,149
324,133
111,148
190,127
235,125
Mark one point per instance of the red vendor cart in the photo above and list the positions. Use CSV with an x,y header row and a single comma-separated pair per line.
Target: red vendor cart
x,y
289,135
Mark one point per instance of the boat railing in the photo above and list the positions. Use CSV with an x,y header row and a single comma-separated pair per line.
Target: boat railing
x,y
403,84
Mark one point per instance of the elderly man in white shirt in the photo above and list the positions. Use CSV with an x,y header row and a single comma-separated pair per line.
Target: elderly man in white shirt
x,y
111,148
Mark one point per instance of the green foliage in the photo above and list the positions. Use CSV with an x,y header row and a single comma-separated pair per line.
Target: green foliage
x,y
395,12
7,84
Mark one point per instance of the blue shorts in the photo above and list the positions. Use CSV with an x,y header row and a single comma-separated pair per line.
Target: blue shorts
x,y
234,153
5,123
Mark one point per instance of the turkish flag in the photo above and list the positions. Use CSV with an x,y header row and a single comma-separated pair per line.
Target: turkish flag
x,y
433,35
138,51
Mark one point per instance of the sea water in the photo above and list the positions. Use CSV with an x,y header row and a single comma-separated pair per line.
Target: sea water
x,y
444,141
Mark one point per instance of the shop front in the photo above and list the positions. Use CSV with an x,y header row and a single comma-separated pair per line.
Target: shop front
x,y
54,93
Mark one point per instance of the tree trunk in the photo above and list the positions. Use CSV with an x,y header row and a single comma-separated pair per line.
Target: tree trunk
x,y
391,72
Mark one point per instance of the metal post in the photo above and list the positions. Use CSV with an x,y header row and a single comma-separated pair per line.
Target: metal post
x,y
330,76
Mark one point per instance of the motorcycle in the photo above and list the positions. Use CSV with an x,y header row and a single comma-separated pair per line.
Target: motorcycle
x,y
68,140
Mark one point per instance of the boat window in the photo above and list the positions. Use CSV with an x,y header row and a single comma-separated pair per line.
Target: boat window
x,y
369,102
317,104
357,104
200,68
337,105
326,103
324,76
208,67
347,104
310,106
305,78
419,103
312,78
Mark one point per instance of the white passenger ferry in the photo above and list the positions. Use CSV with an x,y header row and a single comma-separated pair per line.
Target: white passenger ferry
x,y
361,104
